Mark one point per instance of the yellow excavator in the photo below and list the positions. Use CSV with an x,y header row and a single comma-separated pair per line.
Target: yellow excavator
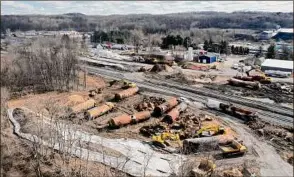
x,y
211,130
161,139
262,78
128,84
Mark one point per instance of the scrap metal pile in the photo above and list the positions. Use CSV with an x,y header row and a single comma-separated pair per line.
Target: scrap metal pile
x,y
149,103
174,128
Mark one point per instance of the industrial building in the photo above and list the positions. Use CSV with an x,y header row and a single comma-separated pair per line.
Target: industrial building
x,y
266,35
208,58
277,65
284,34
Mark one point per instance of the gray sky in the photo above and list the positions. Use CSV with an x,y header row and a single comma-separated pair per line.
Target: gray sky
x,y
133,7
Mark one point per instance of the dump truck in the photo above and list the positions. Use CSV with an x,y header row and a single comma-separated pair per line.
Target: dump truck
x,y
241,113
233,148
210,131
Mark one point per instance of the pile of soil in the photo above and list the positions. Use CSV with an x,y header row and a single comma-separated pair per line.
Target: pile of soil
x,y
75,99
161,67
179,77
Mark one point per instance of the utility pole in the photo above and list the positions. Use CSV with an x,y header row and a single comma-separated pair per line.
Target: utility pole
x,y
85,77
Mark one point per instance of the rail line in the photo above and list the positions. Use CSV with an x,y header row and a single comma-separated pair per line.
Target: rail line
x,y
171,89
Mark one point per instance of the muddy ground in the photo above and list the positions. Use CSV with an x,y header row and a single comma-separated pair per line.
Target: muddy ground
x,y
280,138
267,91
129,105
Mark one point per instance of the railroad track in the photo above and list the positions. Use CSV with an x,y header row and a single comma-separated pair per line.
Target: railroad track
x,y
284,116
229,98
214,94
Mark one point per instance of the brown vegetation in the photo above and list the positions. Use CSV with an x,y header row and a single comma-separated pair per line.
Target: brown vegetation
x,y
42,65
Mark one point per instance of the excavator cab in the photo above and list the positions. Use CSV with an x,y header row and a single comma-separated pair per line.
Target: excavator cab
x,y
128,84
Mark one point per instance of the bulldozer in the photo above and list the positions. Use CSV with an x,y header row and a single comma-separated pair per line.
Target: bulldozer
x,y
210,131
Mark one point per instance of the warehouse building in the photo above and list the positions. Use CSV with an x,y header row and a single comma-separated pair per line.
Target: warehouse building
x,y
284,34
277,65
208,58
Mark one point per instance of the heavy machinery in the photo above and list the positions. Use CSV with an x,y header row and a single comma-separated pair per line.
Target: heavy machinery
x,y
163,138
211,130
233,148
128,84
262,78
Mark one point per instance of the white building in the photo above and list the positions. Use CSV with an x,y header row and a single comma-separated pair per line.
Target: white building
x,y
277,65
266,35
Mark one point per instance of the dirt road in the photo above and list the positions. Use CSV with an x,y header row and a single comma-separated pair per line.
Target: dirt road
x,y
271,164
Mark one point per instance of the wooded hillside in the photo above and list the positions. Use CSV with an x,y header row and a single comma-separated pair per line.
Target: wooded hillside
x,y
148,23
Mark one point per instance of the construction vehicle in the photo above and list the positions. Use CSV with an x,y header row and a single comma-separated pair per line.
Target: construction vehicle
x,y
205,168
162,138
261,78
211,130
243,114
128,84
233,148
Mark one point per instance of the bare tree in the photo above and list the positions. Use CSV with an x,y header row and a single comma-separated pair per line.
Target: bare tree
x,y
46,64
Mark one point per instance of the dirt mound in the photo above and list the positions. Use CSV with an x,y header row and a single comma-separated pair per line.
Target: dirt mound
x,y
161,67
233,173
92,81
75,99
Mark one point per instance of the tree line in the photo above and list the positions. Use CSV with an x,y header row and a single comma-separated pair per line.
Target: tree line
x,y
177,40
284,54
119,37
150,24
239,50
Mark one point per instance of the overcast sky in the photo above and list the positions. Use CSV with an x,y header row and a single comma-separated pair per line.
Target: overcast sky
x,y
131,7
